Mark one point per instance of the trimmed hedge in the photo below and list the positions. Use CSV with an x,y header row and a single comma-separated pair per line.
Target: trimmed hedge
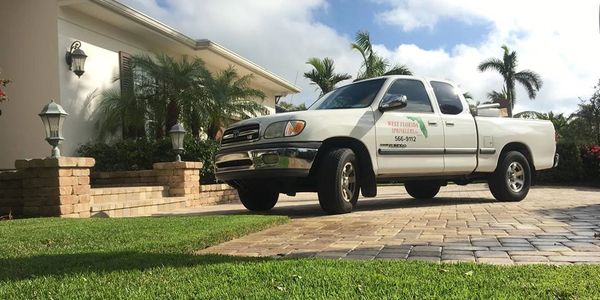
x,y
140,154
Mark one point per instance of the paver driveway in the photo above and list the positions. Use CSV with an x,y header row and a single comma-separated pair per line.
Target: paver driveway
x,y
552,225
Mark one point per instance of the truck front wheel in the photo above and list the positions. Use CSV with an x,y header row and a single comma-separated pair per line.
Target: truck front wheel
x,y
512,178
422,189
258,199
338,181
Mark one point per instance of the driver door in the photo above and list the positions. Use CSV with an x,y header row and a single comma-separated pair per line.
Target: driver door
x,y
410,140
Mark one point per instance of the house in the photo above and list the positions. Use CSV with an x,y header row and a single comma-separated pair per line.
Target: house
x,y
36,35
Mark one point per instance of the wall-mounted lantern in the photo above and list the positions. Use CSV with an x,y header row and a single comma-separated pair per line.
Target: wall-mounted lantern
x,y
53,117
177,134
75,58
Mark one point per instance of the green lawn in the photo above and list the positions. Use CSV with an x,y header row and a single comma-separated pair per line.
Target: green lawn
x,y
150,258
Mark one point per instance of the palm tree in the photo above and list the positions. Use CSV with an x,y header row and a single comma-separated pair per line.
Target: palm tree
x,y
119,112
507,68
170,87
323,74
374,65
229,96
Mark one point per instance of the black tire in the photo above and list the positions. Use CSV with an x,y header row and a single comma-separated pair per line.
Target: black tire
x,y
255,199
422,189
336,194
505,183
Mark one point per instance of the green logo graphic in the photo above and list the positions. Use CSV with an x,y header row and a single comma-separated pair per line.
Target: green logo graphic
x,y
421,125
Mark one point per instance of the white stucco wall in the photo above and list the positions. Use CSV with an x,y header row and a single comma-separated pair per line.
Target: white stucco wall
x,y
36,35
101,43
28,51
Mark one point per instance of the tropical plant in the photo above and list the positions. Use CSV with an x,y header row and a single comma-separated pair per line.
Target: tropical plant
x,y
119,112
588,115
172,89
229,97
507,66
498,97
374,65
323,74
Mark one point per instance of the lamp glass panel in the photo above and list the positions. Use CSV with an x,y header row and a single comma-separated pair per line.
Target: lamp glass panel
x,y
53,122
180,136
78,63
46,125
60,125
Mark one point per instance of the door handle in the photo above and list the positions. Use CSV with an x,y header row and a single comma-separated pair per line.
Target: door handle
x,y
449,123
432,123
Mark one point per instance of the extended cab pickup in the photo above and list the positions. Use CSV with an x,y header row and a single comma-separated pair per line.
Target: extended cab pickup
x,y
388,129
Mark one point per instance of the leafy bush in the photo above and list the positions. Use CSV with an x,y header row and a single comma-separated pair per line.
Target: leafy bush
x,y
570,166
140,154
578,165
591,162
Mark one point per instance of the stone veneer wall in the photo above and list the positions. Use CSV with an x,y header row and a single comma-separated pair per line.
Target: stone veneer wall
x,y
11,193
61,187
47,187
124,178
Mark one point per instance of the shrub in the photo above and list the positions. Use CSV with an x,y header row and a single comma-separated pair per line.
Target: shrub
x,y
570,166
591,162
140,154
579,165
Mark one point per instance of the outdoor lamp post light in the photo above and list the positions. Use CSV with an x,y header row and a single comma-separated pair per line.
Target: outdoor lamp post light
x,y
53,117
75,58
177,134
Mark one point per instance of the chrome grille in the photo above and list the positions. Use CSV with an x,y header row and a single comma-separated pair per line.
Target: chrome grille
x,y
240,134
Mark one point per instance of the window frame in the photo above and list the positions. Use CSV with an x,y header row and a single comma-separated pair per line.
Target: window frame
x,y
402,110
460,99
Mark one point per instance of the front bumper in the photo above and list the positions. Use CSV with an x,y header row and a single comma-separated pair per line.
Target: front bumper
x,y
266,160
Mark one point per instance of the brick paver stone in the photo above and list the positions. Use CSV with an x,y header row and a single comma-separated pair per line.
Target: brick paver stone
x,y
555,225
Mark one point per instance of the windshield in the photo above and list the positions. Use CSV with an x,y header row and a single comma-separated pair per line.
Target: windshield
x,y
356,95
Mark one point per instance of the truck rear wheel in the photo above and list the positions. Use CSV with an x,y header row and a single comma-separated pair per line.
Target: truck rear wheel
x,y
338,181
422,189
512,178
256,199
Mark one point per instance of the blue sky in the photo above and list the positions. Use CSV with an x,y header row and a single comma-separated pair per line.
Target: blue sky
x,y
350,16
443,39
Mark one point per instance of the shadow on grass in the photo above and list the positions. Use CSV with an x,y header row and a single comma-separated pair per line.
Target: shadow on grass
x,y
19,268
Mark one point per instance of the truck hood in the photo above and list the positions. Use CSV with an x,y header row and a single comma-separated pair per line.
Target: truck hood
x,y
304,115
320,124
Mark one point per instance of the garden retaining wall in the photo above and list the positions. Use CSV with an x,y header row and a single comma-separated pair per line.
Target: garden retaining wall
x,y
65,187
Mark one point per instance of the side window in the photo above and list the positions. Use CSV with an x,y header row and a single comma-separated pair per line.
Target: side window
x,y
447,98
416,95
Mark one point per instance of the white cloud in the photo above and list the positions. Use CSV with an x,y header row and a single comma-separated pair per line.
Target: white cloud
x,y
278,35
557,39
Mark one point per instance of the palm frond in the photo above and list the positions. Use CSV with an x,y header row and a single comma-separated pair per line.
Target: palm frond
x,y
398,70
492,64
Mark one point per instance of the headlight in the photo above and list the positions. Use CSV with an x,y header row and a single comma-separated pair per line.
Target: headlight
x,y
285,128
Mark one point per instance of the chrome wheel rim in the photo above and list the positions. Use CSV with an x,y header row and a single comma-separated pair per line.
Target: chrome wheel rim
x,y
348,182
515,177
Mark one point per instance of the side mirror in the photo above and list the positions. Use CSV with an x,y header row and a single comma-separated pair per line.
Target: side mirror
x,y
394,102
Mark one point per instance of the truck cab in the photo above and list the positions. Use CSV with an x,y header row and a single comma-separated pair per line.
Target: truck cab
x,y
406,129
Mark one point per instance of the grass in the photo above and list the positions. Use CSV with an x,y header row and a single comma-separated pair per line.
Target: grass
x,y
145,258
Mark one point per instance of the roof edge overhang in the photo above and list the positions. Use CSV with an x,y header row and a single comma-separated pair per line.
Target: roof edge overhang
x,y
202,44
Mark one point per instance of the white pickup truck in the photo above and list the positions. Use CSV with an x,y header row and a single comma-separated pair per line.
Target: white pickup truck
x,y
388,129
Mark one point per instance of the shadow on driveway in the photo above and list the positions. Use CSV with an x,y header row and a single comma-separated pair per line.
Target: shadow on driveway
x,y
310,208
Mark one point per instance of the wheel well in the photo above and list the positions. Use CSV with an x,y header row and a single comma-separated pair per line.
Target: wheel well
x,y
367,175
523,149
